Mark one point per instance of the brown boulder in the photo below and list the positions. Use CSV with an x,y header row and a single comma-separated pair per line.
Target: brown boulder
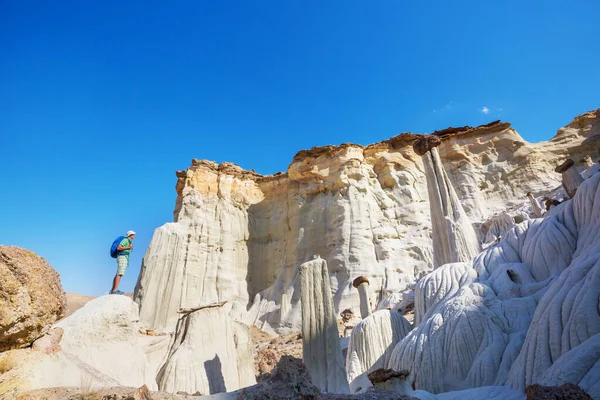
x,y
563,392
426,143
31,297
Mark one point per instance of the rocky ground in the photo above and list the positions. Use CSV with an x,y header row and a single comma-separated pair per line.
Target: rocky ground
x,y
269,350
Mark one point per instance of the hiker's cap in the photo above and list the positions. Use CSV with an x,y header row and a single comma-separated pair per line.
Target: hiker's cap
x,y
129,233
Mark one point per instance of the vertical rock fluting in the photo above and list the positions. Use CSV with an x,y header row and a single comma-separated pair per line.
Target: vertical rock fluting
x,y
321,350
362,285
571,178
202,257
371,345
203,356
535,206
239,235
454,239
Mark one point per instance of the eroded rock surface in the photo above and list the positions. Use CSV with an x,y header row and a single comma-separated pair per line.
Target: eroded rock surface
x,y
31,297
454,239
240,236
371,345
321,349
204,354
534,303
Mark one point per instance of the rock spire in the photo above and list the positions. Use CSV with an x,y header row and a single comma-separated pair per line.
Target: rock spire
x,y
454,239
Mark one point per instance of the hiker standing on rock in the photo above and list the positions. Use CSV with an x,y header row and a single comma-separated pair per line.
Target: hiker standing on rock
x,y
120,250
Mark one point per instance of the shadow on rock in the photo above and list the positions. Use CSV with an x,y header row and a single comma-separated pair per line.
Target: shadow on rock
x,y
290,380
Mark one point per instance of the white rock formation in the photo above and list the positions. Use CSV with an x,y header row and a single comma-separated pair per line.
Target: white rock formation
x,y
535,206
571,178
321,350
580,365
496,226
371,345
439,285
103,335
391,300
100,347
203,356
362,285
454,239
568,314
535,300
240,236
203,256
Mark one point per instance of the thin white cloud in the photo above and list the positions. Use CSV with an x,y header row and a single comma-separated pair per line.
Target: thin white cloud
x,y
485,110
449,105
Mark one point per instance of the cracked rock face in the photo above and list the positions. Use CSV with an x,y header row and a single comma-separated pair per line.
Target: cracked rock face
x,y
240,236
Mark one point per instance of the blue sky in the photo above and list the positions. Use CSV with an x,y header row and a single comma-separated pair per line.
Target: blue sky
x,y
101,102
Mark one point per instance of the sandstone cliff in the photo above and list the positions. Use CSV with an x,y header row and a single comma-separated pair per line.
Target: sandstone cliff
x,y
241,236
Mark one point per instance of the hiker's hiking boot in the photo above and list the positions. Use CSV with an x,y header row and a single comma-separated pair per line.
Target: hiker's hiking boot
x,y
116,292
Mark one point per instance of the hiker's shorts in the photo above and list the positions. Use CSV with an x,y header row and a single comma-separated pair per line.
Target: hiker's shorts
x,y
122,262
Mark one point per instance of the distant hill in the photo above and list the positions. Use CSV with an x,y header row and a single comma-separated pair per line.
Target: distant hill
x,y
76,301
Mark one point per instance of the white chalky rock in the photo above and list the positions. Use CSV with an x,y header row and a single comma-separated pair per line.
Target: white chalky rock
x,y
371,345
100,347
571,178
102,337
539,282
188,262
535,206
242,338
203,356
321,350
439,285
580,365
454,239
496,226
568,314
240,236
591,171
392,300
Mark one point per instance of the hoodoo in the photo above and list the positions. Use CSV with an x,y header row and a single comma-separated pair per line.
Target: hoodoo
x,y
454,239
320,343
362,285
535,206
571,178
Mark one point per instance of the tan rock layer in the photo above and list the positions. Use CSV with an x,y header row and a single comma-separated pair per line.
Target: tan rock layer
x,y
31,297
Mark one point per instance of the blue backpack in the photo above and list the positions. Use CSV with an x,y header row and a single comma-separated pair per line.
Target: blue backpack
x,y
113,249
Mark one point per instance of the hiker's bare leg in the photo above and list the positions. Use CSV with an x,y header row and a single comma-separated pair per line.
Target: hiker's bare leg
x,y
116,282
